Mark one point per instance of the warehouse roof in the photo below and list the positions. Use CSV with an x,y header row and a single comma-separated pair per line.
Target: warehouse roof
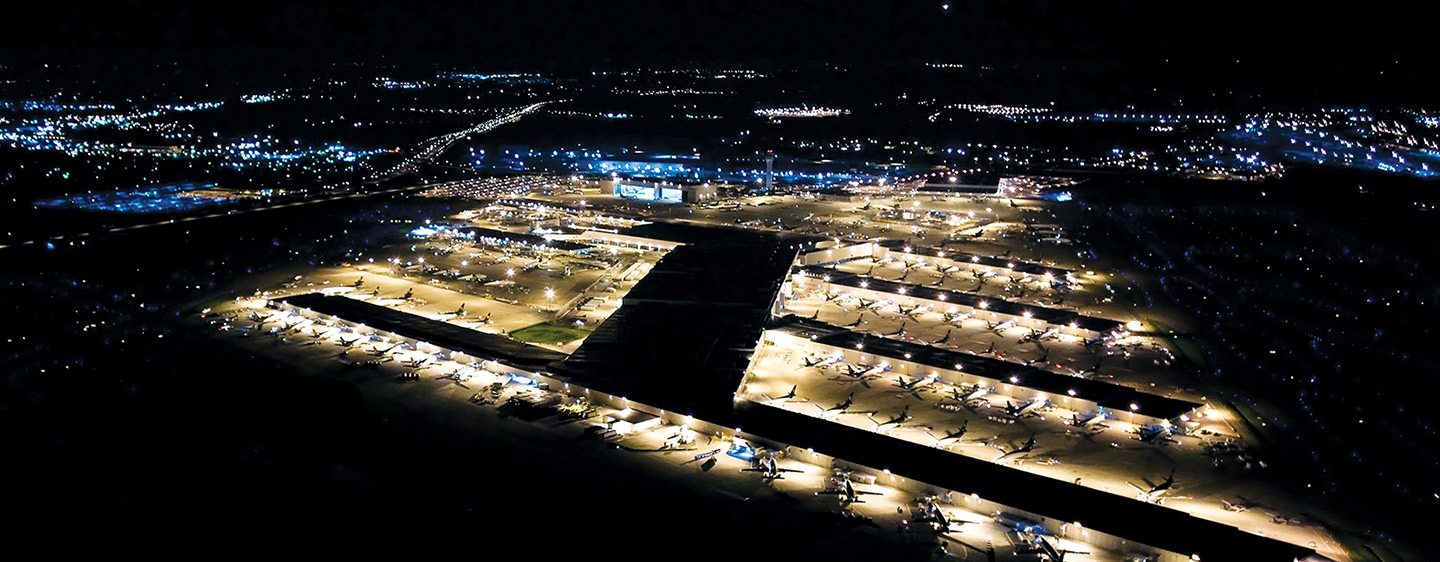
x,y
686,332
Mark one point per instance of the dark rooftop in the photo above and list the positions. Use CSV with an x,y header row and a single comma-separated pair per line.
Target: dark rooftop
x,y
666,356
716,236
686,332
715,275
1152,525
1107,395
940,187
443,334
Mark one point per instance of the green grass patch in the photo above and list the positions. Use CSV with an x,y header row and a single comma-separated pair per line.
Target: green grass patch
x,y
548,333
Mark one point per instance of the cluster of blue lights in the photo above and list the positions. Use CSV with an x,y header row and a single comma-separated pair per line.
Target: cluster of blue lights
x,y
193,106
517,78
593,115
1104,117
661,166
802,111
800,177
51,133
634,168
156,199
263,98
1297,143
33,105
399,85
248,152
1230,161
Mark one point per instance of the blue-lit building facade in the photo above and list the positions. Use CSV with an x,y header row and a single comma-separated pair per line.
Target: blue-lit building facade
x,y
658,191
689,168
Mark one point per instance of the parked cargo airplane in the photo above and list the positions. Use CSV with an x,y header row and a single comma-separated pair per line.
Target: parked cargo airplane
x,y
846,491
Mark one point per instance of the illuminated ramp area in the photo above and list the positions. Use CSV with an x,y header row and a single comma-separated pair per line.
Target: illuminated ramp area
x,y
443,334
1061,503
1106,395
685,334
504,238
992,262
910,292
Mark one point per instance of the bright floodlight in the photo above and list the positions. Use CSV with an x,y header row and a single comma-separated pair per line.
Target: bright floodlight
x,y
1134,325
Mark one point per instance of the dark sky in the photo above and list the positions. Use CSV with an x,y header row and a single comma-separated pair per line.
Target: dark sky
x,y
1270,43
736,29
